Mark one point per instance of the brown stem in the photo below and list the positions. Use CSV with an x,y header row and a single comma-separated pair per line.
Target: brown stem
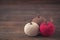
x,y
30,23
51,19
38,16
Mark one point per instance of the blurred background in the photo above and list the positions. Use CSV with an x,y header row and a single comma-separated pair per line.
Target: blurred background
x,y
14,14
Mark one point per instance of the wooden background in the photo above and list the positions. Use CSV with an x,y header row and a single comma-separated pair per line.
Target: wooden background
x,y
15,14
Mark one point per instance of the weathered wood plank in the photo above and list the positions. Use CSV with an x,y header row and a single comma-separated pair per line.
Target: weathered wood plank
x,y
14,17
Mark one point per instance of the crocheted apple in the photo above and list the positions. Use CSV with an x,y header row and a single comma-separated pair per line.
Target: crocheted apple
x,y
47,29
31,29
38,19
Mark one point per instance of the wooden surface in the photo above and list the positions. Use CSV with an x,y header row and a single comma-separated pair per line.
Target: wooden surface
x,y
30,1
14,17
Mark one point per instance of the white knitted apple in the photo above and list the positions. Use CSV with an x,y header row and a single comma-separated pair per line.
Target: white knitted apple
x,y
31,29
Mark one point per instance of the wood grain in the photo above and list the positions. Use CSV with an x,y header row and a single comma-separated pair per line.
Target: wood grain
x,y
14,17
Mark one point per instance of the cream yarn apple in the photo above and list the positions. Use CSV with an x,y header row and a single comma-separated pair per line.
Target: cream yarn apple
x,y
31,29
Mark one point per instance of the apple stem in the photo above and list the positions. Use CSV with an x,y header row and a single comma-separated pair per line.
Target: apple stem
x,y
30,23
38,16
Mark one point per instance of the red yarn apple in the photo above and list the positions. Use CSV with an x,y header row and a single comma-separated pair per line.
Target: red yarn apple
x,y
47,29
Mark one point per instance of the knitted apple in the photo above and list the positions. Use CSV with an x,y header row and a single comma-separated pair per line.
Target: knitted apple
x,y
47,29
31,29
37,19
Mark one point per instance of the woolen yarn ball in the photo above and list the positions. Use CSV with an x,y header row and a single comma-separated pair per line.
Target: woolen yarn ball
x,y
31,29
47,29
37,20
